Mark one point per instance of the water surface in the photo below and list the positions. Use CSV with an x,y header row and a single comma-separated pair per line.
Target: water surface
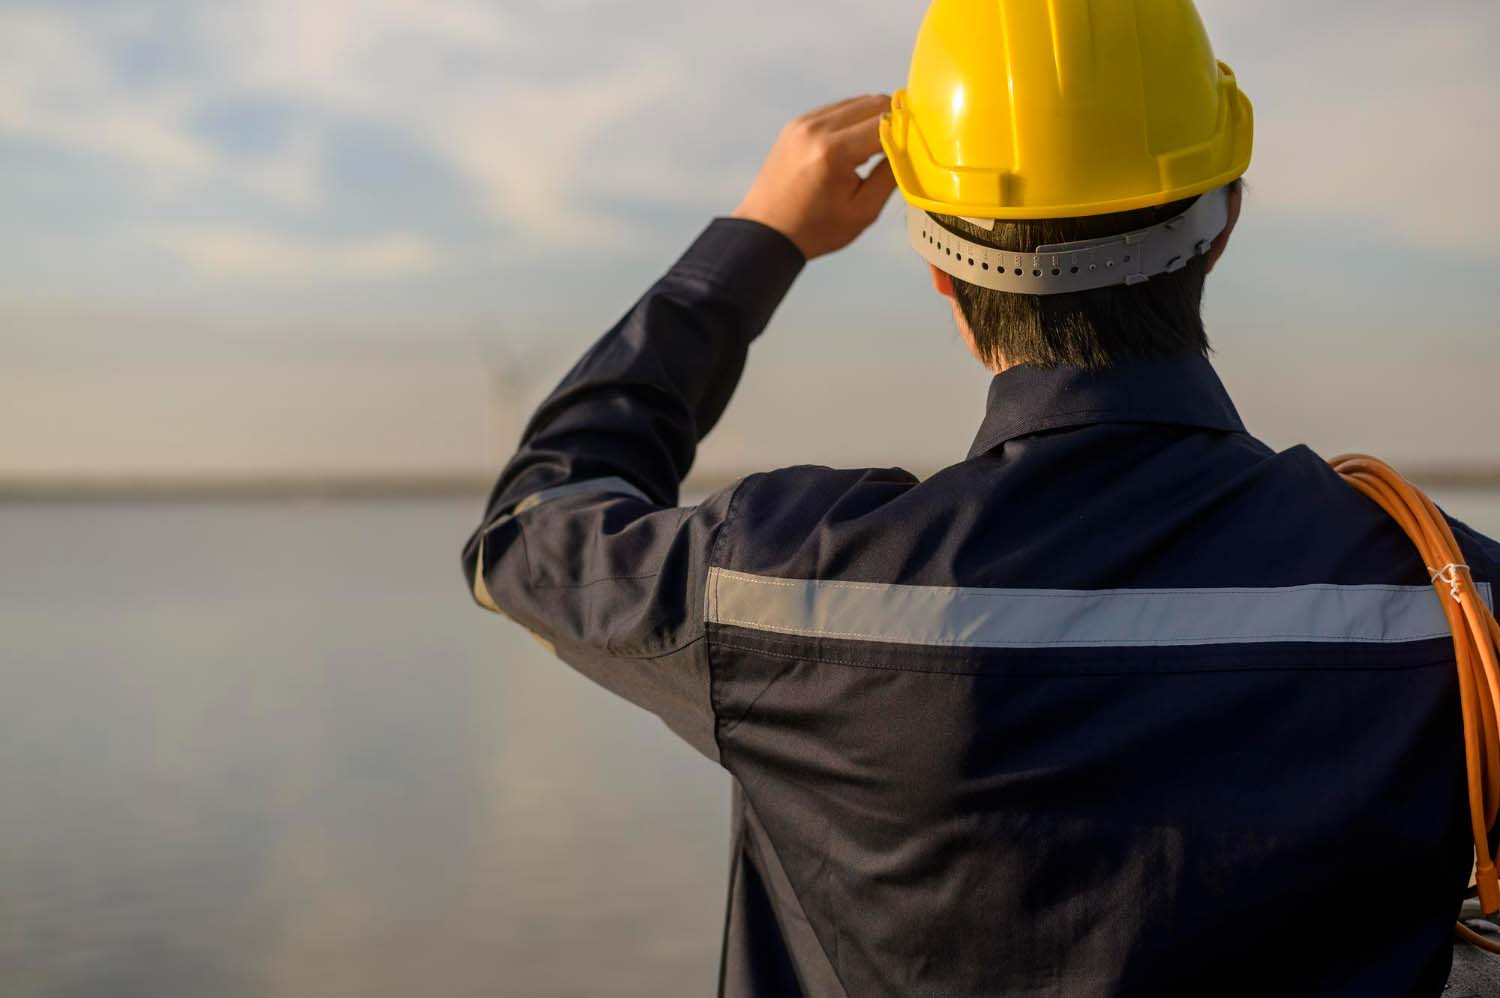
x,y
273,749
270,748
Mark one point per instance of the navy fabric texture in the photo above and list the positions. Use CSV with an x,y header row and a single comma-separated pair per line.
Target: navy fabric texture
x,y
1279,817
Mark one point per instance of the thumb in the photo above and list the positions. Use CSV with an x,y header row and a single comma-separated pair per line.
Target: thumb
x,y
875,190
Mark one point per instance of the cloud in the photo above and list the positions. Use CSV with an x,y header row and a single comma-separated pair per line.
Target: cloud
x,y
563,119
531,164
224,252
59,86
446,76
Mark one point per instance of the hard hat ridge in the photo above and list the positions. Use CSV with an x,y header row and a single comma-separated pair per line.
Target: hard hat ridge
x,y
1033,109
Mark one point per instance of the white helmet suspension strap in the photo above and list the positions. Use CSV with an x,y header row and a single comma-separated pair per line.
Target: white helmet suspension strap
x,y
1132,258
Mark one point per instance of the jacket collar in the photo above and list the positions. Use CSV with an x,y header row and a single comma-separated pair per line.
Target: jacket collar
x,y
1182,389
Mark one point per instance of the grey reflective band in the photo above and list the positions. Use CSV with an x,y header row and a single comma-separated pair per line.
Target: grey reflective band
x,y
1132,258
1054,618
593,486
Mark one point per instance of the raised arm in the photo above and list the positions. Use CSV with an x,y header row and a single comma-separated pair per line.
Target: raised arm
x,y
582,542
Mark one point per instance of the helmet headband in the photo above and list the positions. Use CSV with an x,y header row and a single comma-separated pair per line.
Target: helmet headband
x,y
1129,259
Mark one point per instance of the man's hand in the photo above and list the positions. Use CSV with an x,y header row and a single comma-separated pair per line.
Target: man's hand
x,y
808,190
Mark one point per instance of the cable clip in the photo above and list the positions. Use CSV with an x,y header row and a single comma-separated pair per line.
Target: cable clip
x,y
1449,574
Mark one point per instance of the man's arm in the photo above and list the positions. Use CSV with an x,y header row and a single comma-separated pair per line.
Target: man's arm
x,y
581,541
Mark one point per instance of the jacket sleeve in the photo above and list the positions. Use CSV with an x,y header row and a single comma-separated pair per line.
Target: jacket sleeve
x,y
582,542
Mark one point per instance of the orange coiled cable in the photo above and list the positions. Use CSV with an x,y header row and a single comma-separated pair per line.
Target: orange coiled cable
x,y
1476,647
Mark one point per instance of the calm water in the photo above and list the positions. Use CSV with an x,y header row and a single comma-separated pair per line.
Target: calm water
x,y
272,749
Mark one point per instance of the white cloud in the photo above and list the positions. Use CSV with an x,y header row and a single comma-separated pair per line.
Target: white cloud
x,y
528,151
225,252
57,86
443,74
557,115
533,111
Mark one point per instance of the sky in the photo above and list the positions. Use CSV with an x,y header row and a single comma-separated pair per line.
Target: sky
x,y
365,236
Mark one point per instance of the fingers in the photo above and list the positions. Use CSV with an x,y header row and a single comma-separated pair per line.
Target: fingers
x,y
817,114
809,188
859,141
875,190
837,117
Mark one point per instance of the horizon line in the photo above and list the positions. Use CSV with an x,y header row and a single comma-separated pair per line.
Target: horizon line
x,y
377,485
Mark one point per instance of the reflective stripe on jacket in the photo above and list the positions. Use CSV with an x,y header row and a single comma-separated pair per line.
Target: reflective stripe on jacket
x,y
1126,703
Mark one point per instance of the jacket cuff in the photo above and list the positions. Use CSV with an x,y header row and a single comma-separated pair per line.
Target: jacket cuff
x,y
749,262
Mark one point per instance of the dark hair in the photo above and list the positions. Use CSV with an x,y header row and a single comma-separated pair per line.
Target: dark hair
x,y
1087,329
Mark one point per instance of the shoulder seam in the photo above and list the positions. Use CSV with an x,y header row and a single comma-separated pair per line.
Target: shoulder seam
x,y
710,596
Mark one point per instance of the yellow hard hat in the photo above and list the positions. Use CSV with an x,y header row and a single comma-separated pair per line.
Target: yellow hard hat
x,y
1024,109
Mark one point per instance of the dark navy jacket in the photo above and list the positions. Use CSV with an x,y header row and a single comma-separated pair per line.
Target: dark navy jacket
x,y
1125,704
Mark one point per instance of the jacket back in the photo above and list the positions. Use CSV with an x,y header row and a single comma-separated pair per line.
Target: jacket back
x,y
1122,709
1125,703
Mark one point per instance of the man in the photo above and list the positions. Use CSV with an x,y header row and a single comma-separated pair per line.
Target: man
x,y
1126,703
